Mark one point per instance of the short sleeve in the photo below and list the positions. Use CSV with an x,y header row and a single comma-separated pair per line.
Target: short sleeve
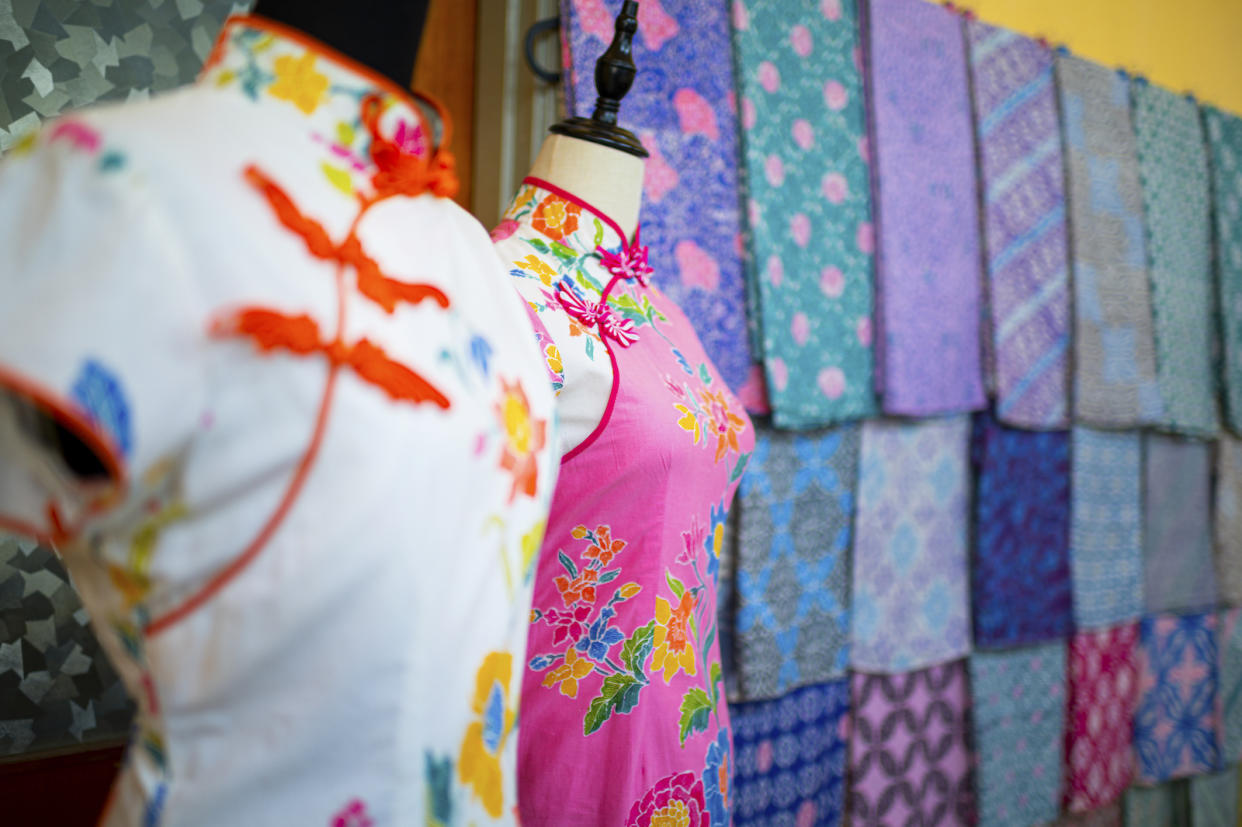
x,y
102,370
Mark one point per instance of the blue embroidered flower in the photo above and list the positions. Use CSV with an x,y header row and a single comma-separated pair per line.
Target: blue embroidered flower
x,y
481,353
600,637
494,718
98,391
716,779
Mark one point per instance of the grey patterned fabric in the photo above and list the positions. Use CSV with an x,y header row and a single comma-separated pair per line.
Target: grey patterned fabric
x,y
1177,528
57,688
1114,348
1228,515
1176,200
796,505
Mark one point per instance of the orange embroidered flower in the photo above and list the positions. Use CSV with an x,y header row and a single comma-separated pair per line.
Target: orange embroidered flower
x,y
299,83
673,649
605,548
556,217
725,424
524,437
581,587
569,673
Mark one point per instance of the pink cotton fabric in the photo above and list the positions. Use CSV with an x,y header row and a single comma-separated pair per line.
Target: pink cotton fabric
x,y
1103,691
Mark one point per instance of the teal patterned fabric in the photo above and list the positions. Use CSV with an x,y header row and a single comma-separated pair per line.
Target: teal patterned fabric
x,y
1224,134
1019,724
1214,799
1176,201
1167,805
1229,639
809,234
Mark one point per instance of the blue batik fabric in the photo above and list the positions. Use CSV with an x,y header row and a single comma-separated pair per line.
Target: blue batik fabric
x,y
791,755
1020,580
1019,725
792,602
1175,726
1106,529
809,233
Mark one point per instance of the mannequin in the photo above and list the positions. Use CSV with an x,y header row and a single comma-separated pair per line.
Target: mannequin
x,y
380,34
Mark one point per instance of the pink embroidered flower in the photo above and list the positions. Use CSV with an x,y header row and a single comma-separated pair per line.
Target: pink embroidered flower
x,y
655,24
630,263
800,39
696,267
800,229
774,170
741,17
769,76
831,382
779,373
835,95
832,281
568,625
354,814
659,177
776,270
831,9
800,328
866,237
77,133
835,187
693,541
505,229
695,114
748,113
675,800
803,134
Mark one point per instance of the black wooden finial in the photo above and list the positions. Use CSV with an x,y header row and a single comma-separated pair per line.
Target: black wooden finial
x,y
614,74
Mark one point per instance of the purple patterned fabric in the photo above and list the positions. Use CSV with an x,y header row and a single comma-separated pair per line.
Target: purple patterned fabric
x,y
928,273
1023,190
682,107
1021,574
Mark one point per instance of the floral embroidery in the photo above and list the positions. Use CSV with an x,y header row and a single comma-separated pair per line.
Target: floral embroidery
x,y
596,314
725,424
533,264
525,436
706,413
479,766
673,648
353,814
604,548
569,673
716,778
629,263
299,83
675,801
556,218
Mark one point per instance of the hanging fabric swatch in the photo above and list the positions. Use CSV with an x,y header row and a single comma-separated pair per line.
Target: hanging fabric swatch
x,y
1224,136
1020,577
1103,691
1027,256
1106,533
927,275
1175,726
1229,636
804,137
911,589
1167,805
910,759
1214,799
1228,516
1019,719
791,755
1176,203
1106,817
1178,571
791,621
680,107
1114,350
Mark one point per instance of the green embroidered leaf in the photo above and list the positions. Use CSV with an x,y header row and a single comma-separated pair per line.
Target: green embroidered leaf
x,y
695,709
609,576
537,244
590,347
614,694
716,676
567,563
676,585
338,178
624,302
587,281
638,648
344,134
711,635
599,233
739,468
704,375
563,252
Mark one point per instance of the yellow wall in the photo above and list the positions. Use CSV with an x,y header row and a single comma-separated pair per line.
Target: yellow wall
x,y
1186,45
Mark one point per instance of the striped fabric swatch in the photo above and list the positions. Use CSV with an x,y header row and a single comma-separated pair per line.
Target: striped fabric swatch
x,y
809,234
1176,200
1114,381
927,264
1224,136
1027,254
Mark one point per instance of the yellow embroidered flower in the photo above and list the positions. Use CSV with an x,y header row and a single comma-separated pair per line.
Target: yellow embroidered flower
x,y
553,357
535,265
479,766
299,83
572,670
525,435
689,422
673,649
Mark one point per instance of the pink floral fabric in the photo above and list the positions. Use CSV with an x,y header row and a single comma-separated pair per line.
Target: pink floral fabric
x,y
1103,690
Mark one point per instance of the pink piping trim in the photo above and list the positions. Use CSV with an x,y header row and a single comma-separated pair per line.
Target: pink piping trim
x,y
569,196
